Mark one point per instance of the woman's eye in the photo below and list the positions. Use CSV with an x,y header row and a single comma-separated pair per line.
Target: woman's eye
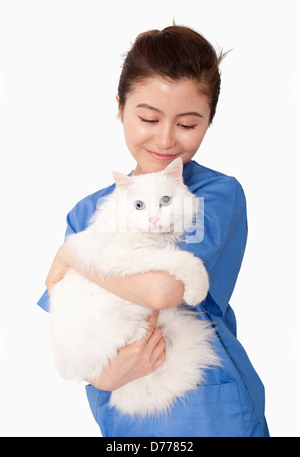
x,y
138,204
165,200
153,121
186,127
149,121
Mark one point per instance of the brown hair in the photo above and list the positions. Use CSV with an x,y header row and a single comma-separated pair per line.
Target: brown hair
x,y
176,53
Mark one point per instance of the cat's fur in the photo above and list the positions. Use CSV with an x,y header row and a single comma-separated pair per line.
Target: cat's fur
x,y
89,324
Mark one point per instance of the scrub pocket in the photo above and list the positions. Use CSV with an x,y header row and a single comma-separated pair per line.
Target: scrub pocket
x,y
209,411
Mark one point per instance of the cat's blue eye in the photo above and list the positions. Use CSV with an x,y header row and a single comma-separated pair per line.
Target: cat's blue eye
x,y
165,200
138,204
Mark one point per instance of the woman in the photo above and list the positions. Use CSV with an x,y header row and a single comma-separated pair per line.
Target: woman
x,y
167,98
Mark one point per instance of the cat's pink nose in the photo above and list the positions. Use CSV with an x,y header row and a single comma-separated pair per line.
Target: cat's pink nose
x,y
153,219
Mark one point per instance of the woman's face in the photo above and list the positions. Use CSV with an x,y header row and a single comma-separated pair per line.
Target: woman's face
x,y
163,120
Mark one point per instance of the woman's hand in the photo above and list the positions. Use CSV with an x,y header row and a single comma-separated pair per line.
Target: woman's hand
x,y
135,360
58,268
132,361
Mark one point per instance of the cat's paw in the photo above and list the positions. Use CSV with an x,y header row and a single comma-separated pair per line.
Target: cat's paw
x,y
195,278
196,287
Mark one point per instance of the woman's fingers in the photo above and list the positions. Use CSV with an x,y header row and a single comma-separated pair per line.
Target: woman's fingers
x,y
153,341
153,345
159,349
57,270
159,361
152,319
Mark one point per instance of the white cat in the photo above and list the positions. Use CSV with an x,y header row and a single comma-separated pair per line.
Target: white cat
x,y
135,230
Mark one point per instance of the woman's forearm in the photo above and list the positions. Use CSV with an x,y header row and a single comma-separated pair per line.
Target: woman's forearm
x,y
153,289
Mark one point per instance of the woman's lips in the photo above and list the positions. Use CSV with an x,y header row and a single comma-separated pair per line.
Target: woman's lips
x,y
162,156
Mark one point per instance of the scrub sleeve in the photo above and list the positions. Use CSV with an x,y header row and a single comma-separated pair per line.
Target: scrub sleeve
x,y
231,401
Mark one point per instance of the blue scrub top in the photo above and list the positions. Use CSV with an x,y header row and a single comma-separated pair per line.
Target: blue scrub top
x,y
231,401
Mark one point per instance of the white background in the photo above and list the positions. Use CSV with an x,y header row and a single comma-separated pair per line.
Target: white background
x,y
60,138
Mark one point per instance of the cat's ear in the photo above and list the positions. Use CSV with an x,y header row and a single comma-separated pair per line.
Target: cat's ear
x,y
174,169
120,179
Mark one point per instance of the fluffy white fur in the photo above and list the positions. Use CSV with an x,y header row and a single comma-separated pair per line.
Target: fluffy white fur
x,y
89,324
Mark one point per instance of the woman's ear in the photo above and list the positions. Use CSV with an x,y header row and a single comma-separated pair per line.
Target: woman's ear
x,y
120,108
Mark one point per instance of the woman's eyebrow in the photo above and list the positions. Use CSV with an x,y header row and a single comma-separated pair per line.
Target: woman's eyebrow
x,y
145,105
189,113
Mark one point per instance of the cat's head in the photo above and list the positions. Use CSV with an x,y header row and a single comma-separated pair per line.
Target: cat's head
x,y
154,202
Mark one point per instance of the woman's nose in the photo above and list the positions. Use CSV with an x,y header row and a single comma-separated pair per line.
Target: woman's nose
x,y
165,138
